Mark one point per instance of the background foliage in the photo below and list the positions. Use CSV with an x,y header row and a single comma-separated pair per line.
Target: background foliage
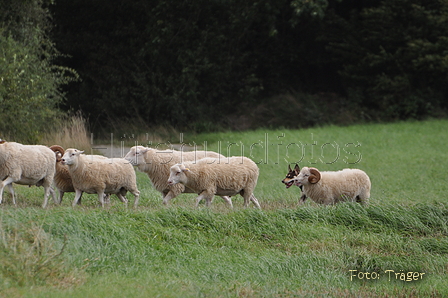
x,y
207,65
29,80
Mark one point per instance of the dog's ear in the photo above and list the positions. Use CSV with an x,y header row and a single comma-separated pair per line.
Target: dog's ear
x,y
297,169
314,176
289,168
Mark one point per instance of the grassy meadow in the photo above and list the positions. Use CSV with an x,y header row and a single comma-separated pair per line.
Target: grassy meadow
x,y
397,246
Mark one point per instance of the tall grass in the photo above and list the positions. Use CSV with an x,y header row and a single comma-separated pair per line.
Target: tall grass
x,y
182,252
72,132
31,257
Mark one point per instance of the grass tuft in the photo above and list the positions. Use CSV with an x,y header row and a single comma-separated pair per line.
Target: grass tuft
x,y
71,133
29,256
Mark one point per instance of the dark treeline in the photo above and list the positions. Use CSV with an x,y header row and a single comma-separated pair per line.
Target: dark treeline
x,y
229,63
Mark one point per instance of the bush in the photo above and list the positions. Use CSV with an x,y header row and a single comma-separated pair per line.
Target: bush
x,y
30,82
297,110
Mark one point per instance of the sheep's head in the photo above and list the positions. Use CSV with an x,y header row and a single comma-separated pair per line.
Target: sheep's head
x,y
135,156
177,174
59,151
70,156
307,176
289,179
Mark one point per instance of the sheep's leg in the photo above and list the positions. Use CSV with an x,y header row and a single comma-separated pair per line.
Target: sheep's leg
x,y
167,197
101,198
7,182
254,200
61,194
121,197
136,194
107,198
228,200
53,194
48,190
208,200
78,194
204,195
13,193
198,199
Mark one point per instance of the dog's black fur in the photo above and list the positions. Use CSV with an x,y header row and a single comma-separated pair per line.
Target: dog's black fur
x,y
289,180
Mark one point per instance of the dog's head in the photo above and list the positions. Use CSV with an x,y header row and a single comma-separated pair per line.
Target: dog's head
x,y
292,173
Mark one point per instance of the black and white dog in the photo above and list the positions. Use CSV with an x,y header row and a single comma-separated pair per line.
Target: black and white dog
x,y
289,180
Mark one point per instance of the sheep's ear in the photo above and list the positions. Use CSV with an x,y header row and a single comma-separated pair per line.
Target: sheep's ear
x,y
144,150
314,176
186,170
79,152
297,168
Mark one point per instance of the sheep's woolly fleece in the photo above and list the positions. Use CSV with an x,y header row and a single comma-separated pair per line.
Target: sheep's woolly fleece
x,y
100,176
233,175
156,164
26,165
333,187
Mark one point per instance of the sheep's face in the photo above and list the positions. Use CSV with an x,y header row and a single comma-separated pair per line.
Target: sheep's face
x,y
307,176
70,156
135,156
177,174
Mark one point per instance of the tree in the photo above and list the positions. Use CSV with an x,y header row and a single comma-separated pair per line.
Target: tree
x,y
29,81
393,57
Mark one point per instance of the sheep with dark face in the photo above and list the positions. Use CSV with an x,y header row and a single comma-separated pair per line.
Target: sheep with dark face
x,y
100,176
208,177
26,165
329,188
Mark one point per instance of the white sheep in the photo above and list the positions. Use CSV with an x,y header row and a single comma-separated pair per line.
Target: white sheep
x,y
156,164
329,188
62,178
100,176
26,165
209,177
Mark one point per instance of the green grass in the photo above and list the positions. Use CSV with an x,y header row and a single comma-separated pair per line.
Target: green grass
x,y
282,251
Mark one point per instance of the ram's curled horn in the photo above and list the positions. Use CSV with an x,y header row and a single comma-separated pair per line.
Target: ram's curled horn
x,y
57,148
314,176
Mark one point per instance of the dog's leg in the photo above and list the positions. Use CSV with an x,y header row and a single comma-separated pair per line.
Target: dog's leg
x,y
303,197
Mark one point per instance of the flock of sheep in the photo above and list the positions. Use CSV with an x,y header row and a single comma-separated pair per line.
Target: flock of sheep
x,y
171,172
